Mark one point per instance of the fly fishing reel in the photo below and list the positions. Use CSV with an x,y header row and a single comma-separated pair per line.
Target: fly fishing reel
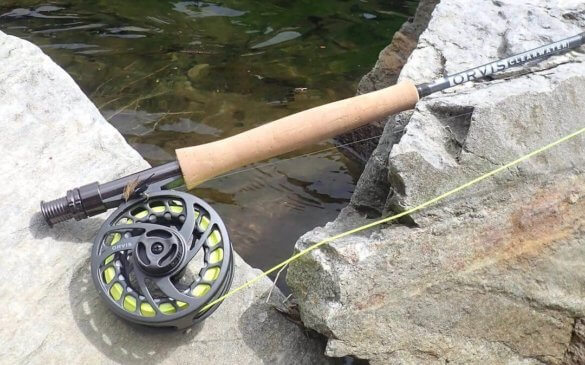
x,y
141,256
162,257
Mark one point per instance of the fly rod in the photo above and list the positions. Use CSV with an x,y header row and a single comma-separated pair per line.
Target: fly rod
x,y
156,231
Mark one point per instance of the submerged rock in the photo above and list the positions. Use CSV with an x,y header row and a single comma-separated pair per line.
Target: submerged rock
x,y
198,71
53,139
495,273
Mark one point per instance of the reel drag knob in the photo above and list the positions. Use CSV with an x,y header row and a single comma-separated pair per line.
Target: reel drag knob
x,y
159,251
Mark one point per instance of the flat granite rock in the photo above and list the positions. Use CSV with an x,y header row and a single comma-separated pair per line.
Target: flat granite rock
x,y
496,273
53,138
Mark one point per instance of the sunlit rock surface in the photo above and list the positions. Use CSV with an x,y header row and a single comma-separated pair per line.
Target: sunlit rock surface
x,y
496,273
53,138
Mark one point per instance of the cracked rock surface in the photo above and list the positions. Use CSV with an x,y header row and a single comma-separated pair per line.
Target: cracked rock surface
x,y
494,274
53,138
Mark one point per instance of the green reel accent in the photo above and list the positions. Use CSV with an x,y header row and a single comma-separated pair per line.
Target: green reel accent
x,y
143,256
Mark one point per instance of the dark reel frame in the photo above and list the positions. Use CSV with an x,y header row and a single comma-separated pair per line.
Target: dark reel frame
x,y
145,286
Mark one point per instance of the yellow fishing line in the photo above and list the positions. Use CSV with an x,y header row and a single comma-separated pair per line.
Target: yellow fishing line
x,y
394,217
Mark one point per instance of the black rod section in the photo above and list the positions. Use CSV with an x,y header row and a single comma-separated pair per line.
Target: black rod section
x,y
95,198
497,66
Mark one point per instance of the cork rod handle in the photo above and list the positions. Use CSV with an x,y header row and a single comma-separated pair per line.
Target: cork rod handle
x,y
203,162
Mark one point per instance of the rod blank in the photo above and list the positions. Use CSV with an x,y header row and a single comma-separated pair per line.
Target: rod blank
x,y
501,65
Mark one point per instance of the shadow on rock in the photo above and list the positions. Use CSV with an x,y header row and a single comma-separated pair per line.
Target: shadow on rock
x,y
275,339
120,340
69,231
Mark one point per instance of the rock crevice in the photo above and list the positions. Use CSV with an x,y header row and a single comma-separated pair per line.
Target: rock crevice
x,y
385,73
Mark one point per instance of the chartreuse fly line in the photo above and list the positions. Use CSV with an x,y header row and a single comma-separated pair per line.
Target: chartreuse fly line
x,y
394,217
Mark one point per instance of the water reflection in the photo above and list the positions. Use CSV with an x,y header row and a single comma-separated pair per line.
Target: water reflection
x,y
279,38
200,9
38,13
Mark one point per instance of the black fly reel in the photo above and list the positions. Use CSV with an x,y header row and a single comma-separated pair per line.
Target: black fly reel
x,y
160,259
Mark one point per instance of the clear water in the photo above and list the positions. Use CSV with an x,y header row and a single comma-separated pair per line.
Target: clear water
x,y
170,74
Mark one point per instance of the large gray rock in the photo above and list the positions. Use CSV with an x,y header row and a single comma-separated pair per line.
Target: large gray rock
x,y
494,274
53,138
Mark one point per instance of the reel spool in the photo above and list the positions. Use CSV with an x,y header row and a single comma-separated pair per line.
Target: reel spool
x,y
141,258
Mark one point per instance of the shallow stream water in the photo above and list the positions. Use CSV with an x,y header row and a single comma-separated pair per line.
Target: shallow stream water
x,y
170,74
